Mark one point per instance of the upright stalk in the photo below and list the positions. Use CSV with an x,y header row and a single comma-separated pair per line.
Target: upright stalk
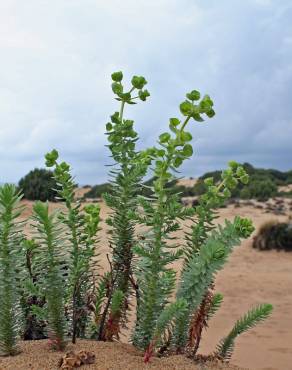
x,y
126,175
9,265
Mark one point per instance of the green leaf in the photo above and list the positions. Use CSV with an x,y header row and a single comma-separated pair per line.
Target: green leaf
x,y
174,121
193,95
117,88
143,94
210,113
197,117
233,165
186,108
117,301
227,193
173,310
177,162
125,97
244,179
188,150
109,126
138,82
51,158
115,118
240,171
117,76
173,128
164,138
216,302
160,152
186,136
231,182
209,181
243,226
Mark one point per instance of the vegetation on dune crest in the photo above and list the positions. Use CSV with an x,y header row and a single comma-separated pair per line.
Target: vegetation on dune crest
x,y
263,184
38,184
62,280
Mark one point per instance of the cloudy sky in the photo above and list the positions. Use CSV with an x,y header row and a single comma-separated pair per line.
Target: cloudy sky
x,y
57,57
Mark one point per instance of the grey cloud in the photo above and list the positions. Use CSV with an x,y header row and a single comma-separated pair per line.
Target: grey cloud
x,y
58,56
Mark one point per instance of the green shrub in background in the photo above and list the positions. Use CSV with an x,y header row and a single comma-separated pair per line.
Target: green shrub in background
x,y
38,184
261,190
172,307
97,191
274,235
263,183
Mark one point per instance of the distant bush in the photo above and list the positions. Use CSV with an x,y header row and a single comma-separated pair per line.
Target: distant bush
x,y
97,190
274,235
285,194
261,190
38,184
262,183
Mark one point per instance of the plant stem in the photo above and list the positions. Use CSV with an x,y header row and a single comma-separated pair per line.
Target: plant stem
x,y
185,123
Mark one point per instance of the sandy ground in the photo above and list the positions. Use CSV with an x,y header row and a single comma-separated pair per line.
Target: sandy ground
x,y
36,355
285,188
250,277
188,182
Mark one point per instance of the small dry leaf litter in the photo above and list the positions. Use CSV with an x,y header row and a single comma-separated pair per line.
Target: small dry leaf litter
x,y
72,359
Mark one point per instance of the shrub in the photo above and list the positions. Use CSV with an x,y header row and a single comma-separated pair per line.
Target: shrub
x,y
261,190
38,184
97,191
262,183
285,194
274,235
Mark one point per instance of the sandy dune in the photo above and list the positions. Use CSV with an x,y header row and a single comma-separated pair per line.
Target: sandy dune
x,y
285,188
250,277
187,182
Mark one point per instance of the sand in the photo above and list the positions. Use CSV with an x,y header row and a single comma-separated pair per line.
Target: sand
x,y
285,188
187,182
250,277
36,355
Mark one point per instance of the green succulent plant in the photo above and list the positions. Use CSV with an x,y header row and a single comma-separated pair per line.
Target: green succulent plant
x,y
82,226
11,261
172,307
